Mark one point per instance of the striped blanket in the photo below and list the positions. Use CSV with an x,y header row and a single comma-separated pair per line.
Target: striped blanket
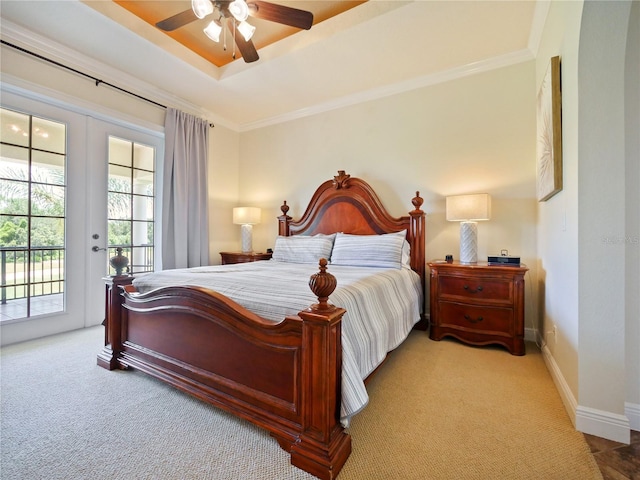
x,y
382,306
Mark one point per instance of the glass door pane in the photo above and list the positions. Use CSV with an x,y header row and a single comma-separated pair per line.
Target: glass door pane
x,y
32,215
130,203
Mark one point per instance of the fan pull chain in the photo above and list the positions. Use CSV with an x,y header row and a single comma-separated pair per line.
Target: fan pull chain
x,y
224,36
233,55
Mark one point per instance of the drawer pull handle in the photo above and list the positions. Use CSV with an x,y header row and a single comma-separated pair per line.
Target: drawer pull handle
x,y
473,320
479,289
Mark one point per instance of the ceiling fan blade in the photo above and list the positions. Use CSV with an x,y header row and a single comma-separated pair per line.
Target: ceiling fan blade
x,y
281,14
177,21
246,47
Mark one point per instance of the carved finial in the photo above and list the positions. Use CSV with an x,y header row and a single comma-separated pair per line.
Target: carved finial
x,y
417,201
284,208
340,180
322,285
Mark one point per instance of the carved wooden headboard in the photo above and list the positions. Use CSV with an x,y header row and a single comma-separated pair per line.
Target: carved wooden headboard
x,y
349,205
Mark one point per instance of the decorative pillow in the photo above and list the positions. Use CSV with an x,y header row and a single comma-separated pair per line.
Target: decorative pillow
x,y
303,248
384,251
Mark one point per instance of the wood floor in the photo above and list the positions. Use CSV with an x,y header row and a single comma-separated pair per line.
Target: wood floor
x,y
617,461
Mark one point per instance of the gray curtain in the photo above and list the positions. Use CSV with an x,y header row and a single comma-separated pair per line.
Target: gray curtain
x,y
185,226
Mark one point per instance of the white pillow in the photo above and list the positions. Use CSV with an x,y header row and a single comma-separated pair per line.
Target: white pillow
x,y
384,251
303,248
406,254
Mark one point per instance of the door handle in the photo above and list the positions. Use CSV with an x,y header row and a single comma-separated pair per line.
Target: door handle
x,y
96,248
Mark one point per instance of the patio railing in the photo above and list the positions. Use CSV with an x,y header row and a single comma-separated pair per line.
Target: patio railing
x,y
39,271
31,272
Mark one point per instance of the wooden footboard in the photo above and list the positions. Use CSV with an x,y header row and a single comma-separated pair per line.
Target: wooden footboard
x,y
282,376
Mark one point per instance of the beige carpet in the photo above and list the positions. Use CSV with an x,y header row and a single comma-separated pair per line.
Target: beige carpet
x,y
438,410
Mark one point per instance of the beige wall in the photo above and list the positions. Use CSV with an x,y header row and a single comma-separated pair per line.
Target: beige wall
x,y
471,135
223,187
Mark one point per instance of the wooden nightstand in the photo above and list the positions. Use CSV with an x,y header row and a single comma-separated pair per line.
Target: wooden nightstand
x,y
240,257
478,304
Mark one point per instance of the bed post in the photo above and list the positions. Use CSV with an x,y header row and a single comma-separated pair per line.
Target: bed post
x,y
418,263
323,446
284,220
109,356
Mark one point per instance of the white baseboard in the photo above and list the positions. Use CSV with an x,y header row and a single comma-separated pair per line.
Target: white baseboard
x,y
566,395
601,423
632,411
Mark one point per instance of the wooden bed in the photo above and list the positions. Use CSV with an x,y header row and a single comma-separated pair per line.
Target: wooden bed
x,y
284,377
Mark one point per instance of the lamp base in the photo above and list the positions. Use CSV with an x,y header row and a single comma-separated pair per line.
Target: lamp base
x,y
246,232
468,242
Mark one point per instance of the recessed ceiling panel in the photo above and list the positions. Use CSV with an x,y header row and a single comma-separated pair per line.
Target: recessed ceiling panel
x,y
192,36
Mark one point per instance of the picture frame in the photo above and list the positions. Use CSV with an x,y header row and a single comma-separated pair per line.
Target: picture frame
x,y
549,133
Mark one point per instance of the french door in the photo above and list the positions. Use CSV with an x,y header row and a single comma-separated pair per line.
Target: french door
x,y
89,143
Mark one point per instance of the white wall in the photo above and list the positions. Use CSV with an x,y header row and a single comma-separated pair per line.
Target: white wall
x,y
471,135
602,219
557,228
589,281
632,237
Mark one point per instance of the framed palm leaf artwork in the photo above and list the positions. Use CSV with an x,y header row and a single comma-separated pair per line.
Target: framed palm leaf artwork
x,y
549,131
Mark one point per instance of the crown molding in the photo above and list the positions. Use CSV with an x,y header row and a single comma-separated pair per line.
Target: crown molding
x,y
31,41
474,68
537,25
27,89
66,56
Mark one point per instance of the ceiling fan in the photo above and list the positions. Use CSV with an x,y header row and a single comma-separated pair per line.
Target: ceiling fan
x,y
234,14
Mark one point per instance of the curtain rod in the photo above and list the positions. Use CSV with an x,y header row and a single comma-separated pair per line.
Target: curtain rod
x,y
86,75
95,79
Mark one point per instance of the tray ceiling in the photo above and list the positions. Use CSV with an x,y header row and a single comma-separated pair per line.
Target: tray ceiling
x,y
193,38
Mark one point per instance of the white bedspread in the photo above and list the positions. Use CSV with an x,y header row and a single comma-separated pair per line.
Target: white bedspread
x,y
382,306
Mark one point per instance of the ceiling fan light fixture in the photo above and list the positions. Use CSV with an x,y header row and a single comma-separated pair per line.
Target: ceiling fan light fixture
x,y
213,30
246,29
201,8
239,9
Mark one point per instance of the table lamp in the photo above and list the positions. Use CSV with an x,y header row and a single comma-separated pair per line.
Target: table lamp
x,y
246,217
468,209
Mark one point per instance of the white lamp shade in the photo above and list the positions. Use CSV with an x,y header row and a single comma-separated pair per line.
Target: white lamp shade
x,y
246,29
469,207
246,215
239,9
213,30
201,8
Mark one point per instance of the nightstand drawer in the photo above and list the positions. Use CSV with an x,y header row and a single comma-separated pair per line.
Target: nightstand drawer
x,y
489,320
476,288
